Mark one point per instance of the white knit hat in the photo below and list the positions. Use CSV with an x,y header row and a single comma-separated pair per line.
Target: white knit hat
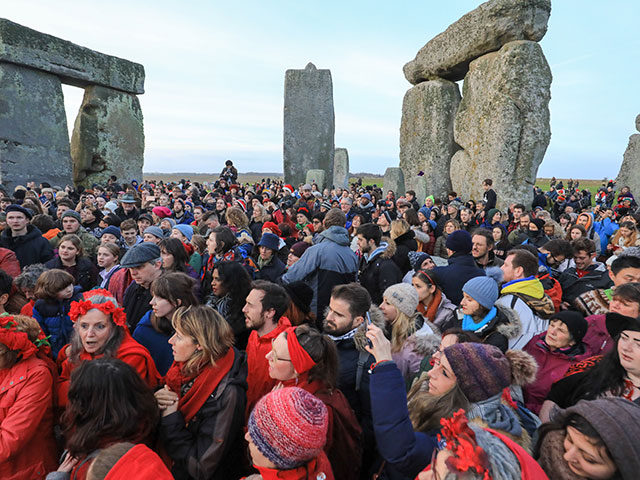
x,y
403,296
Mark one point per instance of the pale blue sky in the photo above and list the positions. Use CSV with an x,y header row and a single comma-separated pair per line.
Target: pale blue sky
x,y
215,73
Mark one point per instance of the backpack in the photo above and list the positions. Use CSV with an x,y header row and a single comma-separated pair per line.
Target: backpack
x,y
552,289
344,445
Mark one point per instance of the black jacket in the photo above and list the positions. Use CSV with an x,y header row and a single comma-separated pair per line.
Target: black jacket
x,y
379,272
272,270
84,272
462,267
29,248
573,286
490,198
212,446
136,304
405,243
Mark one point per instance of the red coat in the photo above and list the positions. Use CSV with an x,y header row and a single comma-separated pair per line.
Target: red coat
x,y
258,379
130,352
551,367
9,262
597,338
27,446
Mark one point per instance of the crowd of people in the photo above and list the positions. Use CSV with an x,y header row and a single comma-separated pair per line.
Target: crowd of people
x,y
268,331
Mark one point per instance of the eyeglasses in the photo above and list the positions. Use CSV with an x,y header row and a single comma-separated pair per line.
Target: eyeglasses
x,y
275,355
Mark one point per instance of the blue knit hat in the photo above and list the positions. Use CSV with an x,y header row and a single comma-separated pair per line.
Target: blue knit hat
x,y
113,230
270,240
483,290
186,230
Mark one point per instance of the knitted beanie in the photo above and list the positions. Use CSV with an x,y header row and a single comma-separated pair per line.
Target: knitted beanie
x,y
73,214
459,241
617,421
575,322
538,222
481,370
299,248
416,259
289,427
113,230
403,296
155,231
300,294
483,290
186,230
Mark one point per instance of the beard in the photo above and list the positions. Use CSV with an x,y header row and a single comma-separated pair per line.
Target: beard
x,y
333,330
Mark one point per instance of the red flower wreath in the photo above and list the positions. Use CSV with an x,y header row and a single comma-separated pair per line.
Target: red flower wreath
x,y
81,307
15,340
461,441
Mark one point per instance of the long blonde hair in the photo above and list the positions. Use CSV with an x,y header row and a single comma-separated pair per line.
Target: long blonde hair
x,y
402,327
399,227
208,330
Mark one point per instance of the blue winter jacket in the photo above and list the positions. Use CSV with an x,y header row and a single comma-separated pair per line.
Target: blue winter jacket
x,y
405,451
53,317
157,343
605,229
329,263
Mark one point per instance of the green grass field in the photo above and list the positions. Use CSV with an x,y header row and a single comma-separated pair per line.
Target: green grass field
x,y
367,179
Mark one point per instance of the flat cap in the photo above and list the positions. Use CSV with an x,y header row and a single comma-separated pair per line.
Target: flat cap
x,y
140,254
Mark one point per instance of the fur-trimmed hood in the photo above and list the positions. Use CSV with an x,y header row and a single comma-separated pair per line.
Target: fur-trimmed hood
x,y
426,340
377,318
512,327
523,367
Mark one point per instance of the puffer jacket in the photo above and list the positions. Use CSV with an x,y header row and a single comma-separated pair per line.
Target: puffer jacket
x,y
53,317
211,446
379,271
328,263
421,344
573,286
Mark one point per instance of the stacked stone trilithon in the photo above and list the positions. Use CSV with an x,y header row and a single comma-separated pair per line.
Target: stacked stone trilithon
x,y
108,136
499,128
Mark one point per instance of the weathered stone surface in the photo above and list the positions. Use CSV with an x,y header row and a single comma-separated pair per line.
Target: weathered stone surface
x,y
34,140
309,123
483,30
318,177
394,180
426,137
503,123
108,137
74,64
341,168
629,174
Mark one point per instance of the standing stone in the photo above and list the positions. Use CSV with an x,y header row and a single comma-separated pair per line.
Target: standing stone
x,y
503,123
309,123
318,177
34,140
394,180
108,137
481,31
426,137
341,168
629,174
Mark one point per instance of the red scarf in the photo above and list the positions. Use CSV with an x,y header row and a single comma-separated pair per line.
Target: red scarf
x,y
204,385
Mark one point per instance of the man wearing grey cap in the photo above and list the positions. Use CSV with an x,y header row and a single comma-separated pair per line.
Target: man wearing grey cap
x,y
145,265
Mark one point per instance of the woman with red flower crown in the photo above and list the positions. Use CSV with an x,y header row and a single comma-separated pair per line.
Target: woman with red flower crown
x,y
27,445
100,330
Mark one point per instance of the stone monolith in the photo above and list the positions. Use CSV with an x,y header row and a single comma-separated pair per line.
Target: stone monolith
x,y
502,123
483,30
341,168
629,174
426,137
394,180
309,123
317,176
108,137
34,140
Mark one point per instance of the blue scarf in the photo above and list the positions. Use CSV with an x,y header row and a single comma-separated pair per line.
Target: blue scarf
x,y
470,326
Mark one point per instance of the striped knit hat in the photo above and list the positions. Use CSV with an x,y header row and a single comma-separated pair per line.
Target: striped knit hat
x,y
481,370
289,427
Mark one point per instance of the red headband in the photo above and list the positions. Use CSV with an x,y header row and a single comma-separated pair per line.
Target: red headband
x,y
108,308
301,360
15,340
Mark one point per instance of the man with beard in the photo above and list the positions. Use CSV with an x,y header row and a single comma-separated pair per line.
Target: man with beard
x,y
377,270
345,322
482,250
263,311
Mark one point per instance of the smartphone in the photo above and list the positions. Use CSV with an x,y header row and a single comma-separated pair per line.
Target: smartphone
x,y
368,321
